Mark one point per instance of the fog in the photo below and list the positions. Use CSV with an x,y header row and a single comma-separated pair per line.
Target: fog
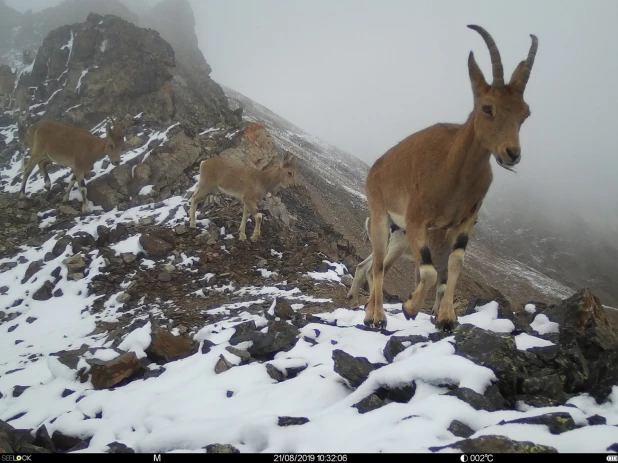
x,y
363,75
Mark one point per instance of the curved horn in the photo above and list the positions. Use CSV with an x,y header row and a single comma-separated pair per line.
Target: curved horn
x,y
520,84
496,61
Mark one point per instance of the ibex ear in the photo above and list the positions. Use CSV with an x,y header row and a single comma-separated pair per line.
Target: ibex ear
x,y
517,73
477,79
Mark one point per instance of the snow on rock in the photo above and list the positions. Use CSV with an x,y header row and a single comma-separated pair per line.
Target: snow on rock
x,y
530,308
524,341
486,317
542,325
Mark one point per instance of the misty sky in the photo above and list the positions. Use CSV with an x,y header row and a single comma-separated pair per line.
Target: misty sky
x,y
364,74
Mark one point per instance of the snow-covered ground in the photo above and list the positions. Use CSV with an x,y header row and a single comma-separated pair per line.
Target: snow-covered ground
x,y
190,406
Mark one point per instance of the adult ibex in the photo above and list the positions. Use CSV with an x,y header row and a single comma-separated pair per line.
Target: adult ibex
x,y
244,183
438,177
69,146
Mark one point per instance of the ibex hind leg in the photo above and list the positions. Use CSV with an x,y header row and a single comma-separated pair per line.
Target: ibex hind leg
x,y
198,195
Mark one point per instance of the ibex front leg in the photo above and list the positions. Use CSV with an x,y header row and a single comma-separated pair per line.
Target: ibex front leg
x,y
427,274
446,316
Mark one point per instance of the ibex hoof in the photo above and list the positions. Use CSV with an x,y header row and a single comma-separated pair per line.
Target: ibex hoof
x,y
254,238
408,316
446,325
242,237
22,195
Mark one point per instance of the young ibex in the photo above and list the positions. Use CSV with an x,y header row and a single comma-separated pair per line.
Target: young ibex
x,y
79,149
438,177
244,183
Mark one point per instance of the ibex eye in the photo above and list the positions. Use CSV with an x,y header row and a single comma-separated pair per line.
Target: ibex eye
x,y
487,109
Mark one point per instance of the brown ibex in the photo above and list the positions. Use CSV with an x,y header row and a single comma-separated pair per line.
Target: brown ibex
x,y
70,146
438,177
247,184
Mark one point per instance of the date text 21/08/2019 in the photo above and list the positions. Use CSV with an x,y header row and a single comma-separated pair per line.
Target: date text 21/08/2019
x,y
310,457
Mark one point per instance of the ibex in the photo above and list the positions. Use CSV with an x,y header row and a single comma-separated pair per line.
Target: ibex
x,y
438,177
247,184
69,146
7,84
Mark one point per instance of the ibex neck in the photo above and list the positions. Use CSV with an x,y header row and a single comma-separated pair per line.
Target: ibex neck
x,y
467,155
99,151
271,178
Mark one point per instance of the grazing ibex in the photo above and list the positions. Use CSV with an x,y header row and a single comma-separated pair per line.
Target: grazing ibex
x,y
438,177
244,183
69,146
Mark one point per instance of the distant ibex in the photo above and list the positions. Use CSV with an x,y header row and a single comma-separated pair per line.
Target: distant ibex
x,y
7,84
247,184
438,177
69,146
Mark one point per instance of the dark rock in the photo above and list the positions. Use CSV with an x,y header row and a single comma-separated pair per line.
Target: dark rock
x,y
33,268
284,310
22,437
596,420
156,246
103,234
64,442
19,390
496,444
60,246
110,373
222,365
30,448
31,320
556,422
83,241
5,445
44,293
165,347
242,354
206,346
395,345
613,448
460,429
229,394
549,386
583,322
82,445
117,447
280,337
291,421
494,351
369,403
241,329
42,439
402,394
538,401
221,448
118,233
274,373
354,369
472,398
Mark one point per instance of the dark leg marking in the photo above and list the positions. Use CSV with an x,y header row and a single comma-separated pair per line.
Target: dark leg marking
x,y
426,256
461,242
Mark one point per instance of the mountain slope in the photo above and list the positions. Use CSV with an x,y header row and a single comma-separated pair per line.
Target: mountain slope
x,y
337,179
